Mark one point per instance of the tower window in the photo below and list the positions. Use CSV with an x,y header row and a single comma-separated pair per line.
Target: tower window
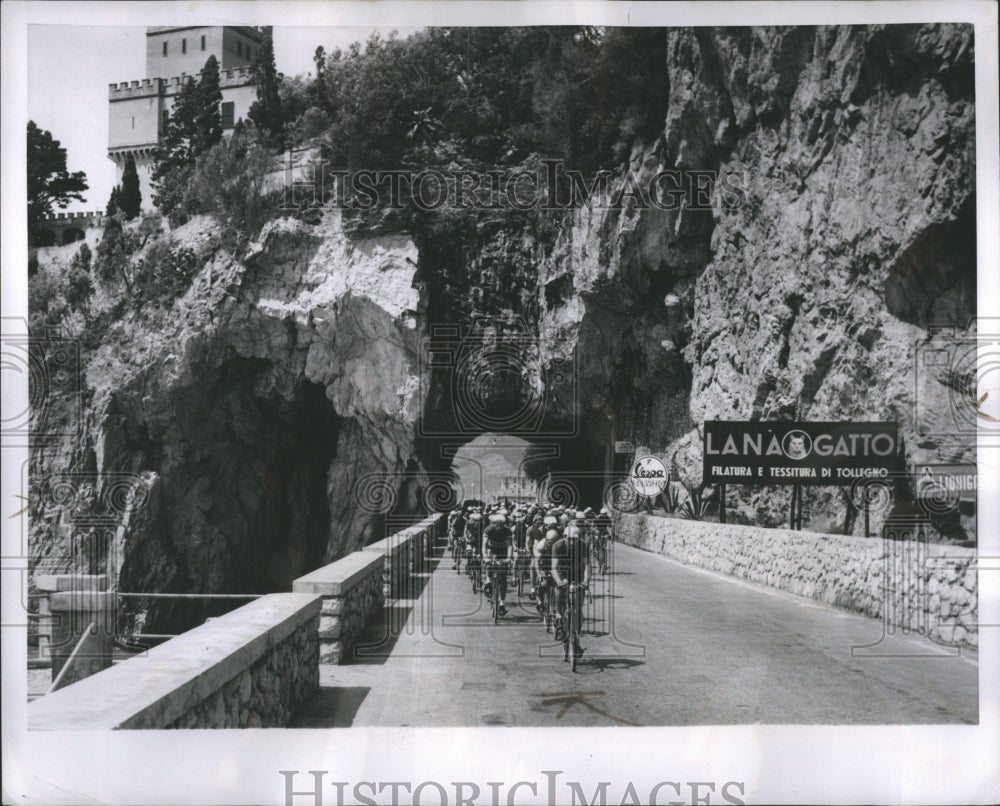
x,y
202,41
164,48
227,114
184,46
133,122
165,117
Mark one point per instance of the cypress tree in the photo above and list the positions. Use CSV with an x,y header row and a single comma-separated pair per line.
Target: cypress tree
x,y
207,130
265,112
129,199
113,201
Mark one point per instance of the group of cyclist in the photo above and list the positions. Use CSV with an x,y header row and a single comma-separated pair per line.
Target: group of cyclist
x,y
555,546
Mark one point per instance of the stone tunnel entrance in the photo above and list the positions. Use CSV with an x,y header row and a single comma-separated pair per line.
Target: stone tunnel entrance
x,y
510,420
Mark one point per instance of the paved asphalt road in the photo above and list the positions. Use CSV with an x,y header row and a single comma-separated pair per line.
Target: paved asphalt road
x,y
669,645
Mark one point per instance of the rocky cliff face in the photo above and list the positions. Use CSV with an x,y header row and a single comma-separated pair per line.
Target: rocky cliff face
x,y
285,407
271,415
810,297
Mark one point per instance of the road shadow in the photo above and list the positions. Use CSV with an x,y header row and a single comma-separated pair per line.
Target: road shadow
x,y
330,707
597,665
375,644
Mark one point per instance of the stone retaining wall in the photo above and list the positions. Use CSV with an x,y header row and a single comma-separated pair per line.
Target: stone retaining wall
x,y
352,591
252,667
928,588
406,554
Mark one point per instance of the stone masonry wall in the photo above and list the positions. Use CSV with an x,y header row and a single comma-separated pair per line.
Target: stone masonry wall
x,y
928,588
343,618
252,667
405,555
266,694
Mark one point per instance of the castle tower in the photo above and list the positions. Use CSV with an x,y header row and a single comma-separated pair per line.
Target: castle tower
x,y
138,110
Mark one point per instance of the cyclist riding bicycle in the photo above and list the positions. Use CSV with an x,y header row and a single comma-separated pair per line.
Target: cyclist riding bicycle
x,y
542,562
535,534
570,565
473,546
498,545
457,535
603,522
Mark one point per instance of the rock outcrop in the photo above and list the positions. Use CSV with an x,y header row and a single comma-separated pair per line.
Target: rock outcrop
x,y
284,407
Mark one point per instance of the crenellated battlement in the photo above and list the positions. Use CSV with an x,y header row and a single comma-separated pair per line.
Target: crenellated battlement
x,y
139,111
135,89
142,88
235,76
89,218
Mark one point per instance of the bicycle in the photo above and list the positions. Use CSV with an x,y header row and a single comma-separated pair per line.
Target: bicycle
x,y
474,570
570,618
457,550
521,569
546,601
599,552
496,568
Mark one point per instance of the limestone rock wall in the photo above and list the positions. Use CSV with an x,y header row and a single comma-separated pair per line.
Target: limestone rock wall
x,y
812,295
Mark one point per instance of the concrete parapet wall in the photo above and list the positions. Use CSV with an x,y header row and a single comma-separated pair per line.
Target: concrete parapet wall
x,y
252,667
352,591
927,588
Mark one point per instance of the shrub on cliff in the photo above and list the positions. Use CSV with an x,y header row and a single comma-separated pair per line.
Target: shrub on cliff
x,y
47,306
164,272
229,182
114,254
79,286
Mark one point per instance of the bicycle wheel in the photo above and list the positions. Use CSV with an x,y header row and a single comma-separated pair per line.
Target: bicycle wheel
x,y
566,631
572,629
496,599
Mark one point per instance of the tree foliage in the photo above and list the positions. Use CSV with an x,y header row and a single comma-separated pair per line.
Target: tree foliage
x,y
493,96
113,201
129,199
50,184
265,113
207,129
194,126
79,285
164,272
229,182
114,253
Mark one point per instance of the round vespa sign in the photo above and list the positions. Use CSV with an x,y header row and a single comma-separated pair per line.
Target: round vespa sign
x,y
648,476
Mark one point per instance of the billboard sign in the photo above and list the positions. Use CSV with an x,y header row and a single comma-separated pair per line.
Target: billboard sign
x,y
957,482
818,453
